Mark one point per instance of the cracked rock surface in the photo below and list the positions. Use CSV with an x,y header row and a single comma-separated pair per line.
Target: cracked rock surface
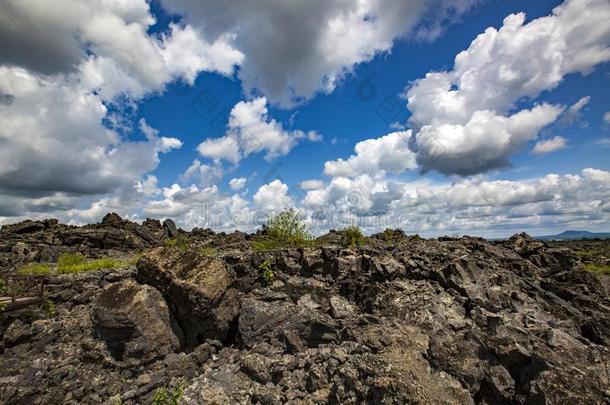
x,y
408,320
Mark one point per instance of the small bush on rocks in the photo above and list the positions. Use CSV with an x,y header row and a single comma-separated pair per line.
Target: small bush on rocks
x,y
284,231
353,236
49,308
208,251
164,396
268,275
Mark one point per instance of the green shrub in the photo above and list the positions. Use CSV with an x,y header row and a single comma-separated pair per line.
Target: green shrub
x,y
596,268
35,269
2,287
387,235
353,236
49,308
268,275
164,396
283,231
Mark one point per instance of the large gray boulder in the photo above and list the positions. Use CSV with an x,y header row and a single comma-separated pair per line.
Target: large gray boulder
x,y
197,288
135,322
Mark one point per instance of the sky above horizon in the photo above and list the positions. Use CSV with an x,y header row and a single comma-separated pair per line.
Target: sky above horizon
x,y
480,117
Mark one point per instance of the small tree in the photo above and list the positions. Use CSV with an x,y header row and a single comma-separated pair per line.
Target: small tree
x,y
284,230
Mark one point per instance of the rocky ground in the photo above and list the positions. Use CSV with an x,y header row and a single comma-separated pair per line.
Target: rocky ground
x,y
397,320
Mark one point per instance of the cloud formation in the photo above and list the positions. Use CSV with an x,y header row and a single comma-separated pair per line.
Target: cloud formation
x,y
459,116
550,145
63,66
388,154
328,38
251,130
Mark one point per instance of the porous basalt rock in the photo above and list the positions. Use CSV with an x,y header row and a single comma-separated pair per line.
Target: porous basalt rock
x,y
399,320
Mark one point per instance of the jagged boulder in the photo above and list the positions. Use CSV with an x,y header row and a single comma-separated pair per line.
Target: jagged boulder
x,y
170,228
269,316
198,290
399,320
135,322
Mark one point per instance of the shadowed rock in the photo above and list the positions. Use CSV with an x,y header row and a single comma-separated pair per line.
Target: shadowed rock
x,y
197,289
397,320
135,322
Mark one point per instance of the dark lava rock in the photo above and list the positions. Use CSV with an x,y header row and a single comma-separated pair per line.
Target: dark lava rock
x,y
170,228
135,322
399,320
197,289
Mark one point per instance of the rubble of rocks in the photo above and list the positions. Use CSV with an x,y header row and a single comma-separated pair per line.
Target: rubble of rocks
x,y
44,241
398,320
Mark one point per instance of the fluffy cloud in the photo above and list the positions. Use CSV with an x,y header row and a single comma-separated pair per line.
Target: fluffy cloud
x,y
237,184
217,149
327,37
311,185
106,42
471,205
389,154
550,145
573,114
606,117
273,196
454,111
54,141
541,205
205,175
186,53
59,73
484,142
251,130
45,38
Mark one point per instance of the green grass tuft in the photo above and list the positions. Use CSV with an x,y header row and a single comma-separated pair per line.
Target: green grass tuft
x,y
164,396
178,243
596,268
208,251
70,259
81,267
35,269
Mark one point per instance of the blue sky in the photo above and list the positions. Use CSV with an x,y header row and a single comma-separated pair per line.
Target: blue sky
x,y
158,83
354,112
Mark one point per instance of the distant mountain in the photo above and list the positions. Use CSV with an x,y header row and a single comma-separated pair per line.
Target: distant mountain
x,y
574,235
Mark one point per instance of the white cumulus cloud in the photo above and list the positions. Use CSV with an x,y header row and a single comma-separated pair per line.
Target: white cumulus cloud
x,y
273,196
550,145
327,39
251,130
456,113
237,183
389,153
